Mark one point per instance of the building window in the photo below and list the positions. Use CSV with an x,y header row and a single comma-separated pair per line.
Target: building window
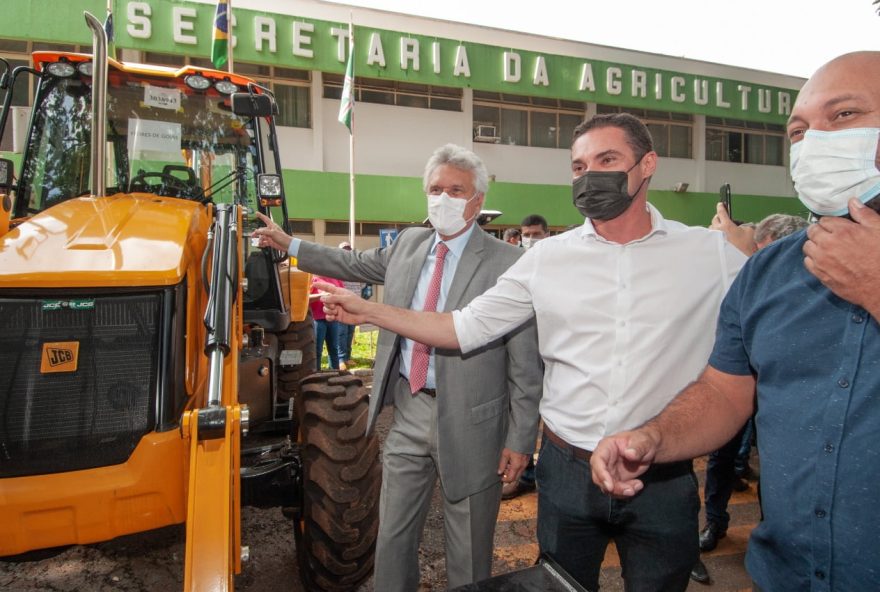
x,y
525,121
672,132
302,227
734,140
293,105
164,59
391,92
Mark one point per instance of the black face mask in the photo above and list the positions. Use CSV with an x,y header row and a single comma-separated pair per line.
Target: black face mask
x,y
602,195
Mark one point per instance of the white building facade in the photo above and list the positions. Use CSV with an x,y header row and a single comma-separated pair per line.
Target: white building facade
x,y
513,98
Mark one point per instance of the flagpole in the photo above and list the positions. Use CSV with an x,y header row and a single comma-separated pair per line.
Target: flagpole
x,y
111,43
351,213
229,36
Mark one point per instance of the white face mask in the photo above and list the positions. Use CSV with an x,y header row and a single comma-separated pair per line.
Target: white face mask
x,y
527,242
829,168
447,213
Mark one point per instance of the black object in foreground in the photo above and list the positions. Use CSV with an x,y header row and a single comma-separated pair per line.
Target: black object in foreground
x,y
544,576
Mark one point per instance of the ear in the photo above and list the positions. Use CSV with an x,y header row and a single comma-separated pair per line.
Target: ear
x,y
649,164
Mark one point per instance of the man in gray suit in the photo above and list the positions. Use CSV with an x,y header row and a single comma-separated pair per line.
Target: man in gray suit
x,y
467,418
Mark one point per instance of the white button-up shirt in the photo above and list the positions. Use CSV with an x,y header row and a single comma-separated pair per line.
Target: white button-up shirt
x,y
622,328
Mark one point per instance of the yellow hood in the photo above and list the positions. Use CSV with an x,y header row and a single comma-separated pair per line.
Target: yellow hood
x,y
121,240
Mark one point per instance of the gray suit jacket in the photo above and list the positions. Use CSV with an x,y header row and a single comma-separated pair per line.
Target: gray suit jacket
x,y
486,399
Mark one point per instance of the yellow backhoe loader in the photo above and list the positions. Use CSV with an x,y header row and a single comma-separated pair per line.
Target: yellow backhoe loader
x,y
142,335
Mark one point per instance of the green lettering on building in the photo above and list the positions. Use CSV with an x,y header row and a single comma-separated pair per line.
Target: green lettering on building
x,y
182,27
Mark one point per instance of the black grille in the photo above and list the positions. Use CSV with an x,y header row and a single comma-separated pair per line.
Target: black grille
x,y
94,416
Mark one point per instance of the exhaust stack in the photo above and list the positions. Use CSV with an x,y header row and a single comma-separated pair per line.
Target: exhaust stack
x,y
99,106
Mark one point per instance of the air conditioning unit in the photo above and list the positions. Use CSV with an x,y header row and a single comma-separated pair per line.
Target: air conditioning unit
x,y
486,133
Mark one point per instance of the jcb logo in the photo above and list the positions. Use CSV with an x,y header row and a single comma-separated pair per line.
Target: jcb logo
x,y
59,357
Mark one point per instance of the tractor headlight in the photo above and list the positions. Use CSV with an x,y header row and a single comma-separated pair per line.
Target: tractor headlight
x,y
269,185
61,69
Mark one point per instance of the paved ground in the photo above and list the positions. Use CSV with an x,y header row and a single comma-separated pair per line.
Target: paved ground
x,y
153,561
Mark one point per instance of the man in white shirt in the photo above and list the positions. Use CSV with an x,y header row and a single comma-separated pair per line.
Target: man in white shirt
x,y
626,307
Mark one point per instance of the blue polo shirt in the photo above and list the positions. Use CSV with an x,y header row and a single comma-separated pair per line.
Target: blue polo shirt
x,y
816,358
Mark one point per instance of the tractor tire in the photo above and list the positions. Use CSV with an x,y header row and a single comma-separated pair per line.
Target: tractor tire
x,y
342,477
298,336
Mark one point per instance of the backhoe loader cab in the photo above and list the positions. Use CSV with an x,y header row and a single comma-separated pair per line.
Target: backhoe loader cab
x,y
141,334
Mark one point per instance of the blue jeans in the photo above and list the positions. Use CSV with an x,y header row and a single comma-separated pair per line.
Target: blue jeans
x,y
326,330
741,465
720,475
344,341
655,532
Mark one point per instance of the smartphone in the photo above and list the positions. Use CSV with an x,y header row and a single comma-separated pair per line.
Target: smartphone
x,y
725,199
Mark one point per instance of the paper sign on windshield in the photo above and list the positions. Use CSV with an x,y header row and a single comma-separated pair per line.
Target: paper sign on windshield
x,y
163,98
153,136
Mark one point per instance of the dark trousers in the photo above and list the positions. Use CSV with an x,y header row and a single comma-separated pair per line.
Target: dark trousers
x,y
528,474
720,475
326,330
745,448
655,532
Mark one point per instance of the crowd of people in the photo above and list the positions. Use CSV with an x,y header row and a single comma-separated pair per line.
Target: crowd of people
x,y
640,343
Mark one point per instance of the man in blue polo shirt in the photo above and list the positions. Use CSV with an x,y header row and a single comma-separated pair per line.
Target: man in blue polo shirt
x,y
800,325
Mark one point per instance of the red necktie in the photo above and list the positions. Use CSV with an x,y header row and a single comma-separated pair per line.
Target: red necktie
x,y
418,369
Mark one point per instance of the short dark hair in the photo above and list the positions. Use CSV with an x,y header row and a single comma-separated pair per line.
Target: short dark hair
x,y
534,219
637,135
511,233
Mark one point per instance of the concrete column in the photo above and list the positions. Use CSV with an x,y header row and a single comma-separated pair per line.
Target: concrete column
x,y
699,140
316,93
467,108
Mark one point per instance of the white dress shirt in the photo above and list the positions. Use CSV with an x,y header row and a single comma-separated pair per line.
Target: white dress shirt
x,y
621,328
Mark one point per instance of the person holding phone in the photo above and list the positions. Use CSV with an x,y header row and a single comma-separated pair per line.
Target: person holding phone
x,y
798,339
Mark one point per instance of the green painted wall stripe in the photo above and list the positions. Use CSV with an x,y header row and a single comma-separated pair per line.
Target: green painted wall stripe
x,y
697,209
315,195
324,196
378,55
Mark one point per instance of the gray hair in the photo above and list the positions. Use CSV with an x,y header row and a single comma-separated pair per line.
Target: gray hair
x,y
461,159
776,226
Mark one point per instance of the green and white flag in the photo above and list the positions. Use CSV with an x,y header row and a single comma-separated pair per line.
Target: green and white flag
x,y
347,106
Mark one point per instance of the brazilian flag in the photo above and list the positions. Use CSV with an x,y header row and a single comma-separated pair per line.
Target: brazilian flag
x,y
220,37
